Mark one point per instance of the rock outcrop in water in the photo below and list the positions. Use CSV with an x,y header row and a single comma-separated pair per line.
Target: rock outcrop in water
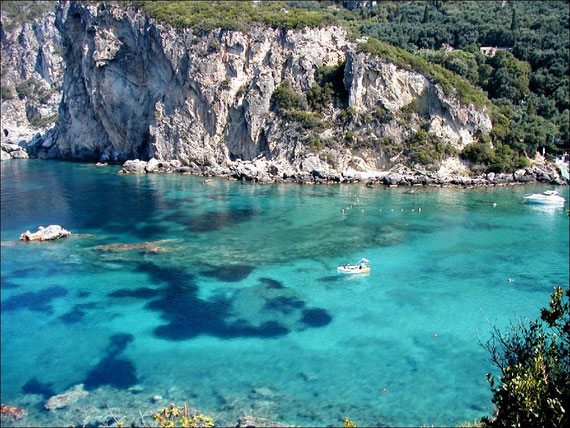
x,y
50,233
66,399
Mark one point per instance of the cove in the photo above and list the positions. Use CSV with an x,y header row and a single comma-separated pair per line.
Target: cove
x,y
243,313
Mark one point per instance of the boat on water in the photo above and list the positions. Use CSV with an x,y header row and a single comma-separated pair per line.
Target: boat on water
x,y
362,266
549,197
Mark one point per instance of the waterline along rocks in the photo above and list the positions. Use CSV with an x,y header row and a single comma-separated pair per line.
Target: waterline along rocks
x,y
267,104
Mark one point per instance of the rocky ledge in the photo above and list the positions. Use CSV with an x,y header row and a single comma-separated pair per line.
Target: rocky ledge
x,y
13,151
50,233
263,171
66,399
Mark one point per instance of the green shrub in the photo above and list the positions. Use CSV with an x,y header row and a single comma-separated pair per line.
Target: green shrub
x,y
328,87
347,114
6,93
501,159
478,153
285,98
25,89
242,89
34,90
307,120
382,115
41,122
408,111
314,142
534,362
427,149
350,137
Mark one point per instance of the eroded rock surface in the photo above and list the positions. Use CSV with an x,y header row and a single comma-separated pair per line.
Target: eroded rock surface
x,y
50,233
66,399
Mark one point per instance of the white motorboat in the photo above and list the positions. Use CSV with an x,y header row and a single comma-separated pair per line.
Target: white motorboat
x,y
550,197
362,266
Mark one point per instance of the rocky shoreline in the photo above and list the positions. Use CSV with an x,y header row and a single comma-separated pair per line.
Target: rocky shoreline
x,y
266,172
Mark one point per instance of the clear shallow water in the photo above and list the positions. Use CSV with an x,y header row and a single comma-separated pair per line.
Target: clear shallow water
x,y
245,314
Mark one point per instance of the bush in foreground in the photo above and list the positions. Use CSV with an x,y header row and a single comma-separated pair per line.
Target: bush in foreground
x,y
533,388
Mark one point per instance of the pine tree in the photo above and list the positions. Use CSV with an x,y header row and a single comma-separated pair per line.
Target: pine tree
x,y
425,19
514,21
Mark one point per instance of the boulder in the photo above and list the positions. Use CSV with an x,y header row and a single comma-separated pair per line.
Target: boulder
x,y
152,165
5,155
19,154
175,163
50,233
12,413
135,166
9,148
67,398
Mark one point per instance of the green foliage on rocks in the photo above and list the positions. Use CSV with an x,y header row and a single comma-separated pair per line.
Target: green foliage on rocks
x,y
24,12
285,97
34,90
448,80
234,15
427,149
533,358
42,122
500,159
328,87
308,120
6,93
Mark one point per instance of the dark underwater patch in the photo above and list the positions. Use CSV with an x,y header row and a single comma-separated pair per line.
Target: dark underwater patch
x,y
83,294
112,371
33,386
188,316
72,317
284,304
116,372
22,273
272,283
76,314
4,283
232,273
174,277
119,342
141,293
34,301
216,220
330,278
316,317
150,232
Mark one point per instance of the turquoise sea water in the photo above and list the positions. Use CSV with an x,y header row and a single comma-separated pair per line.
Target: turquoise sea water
x,y
244,313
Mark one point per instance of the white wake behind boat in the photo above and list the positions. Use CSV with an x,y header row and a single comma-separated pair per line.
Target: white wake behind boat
x,y
362,266
550,197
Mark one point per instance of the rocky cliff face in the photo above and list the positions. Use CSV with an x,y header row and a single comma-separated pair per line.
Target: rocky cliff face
x,y
32,73
134,88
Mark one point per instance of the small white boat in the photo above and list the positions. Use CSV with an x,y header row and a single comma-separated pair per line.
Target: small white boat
x,y
361,266
550,197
